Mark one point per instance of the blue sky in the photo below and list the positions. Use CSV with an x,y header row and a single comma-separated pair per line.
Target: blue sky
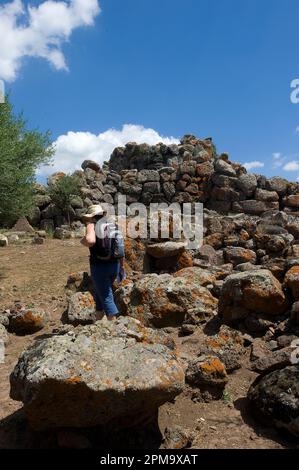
x,y
219,68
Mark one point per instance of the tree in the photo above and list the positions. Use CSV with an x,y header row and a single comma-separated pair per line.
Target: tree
x,y
21,152
63,191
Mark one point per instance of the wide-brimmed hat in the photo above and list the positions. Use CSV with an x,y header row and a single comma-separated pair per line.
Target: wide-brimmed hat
x,y
93,211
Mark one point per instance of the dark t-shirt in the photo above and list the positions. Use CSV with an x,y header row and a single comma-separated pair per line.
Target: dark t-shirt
x,y
94,251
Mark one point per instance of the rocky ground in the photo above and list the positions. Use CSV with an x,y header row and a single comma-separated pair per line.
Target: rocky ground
x,y
34,277
205,351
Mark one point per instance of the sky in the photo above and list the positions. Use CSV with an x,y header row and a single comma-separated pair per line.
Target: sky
x,y
98,74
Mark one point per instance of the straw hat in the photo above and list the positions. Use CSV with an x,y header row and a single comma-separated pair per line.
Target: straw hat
x,y
93,211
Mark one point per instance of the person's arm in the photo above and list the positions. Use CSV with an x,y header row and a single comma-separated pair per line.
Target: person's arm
x,y
90,238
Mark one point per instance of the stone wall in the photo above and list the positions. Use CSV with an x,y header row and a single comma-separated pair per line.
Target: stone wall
x,y
188,172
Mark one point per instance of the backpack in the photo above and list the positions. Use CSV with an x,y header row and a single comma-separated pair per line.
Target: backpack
x,y
109,241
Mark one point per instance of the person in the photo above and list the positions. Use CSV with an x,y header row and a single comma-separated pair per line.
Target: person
x,y
103,271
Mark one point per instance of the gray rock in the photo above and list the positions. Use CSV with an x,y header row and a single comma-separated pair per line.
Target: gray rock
x,y
228,346
266,196
4,338
257,323
166,249
152,187
251,292
169,190
38,240
238,255
188,168
90,164
63,234
224,181
145,176
272,361
53,179
226,194
247,267
47,225
77,202
254,207
247,184
275,398
34,216
177,437
279,185
81,309
3,240
164,300
207,371
4,318
208,253
110,189
97,375
130,189
224,168
42,200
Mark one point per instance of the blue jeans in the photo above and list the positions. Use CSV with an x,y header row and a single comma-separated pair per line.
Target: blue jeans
x,y
103,276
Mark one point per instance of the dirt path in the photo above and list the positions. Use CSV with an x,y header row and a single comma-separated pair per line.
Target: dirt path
x,y
35,275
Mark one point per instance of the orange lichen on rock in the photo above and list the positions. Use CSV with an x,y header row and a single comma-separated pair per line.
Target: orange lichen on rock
x,y
185,260
292,281
74,380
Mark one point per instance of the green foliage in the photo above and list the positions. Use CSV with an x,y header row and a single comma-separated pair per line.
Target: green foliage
x,y
63,191
226,397
21,152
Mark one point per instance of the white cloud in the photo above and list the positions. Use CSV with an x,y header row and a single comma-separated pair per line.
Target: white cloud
x,y
252,165
292,166
75,147
40,31
278,159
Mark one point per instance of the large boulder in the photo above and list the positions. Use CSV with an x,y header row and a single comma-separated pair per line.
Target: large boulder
x,y
164,300
275,398
28,321
81,309
247,183
166,249
107,374
251,292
